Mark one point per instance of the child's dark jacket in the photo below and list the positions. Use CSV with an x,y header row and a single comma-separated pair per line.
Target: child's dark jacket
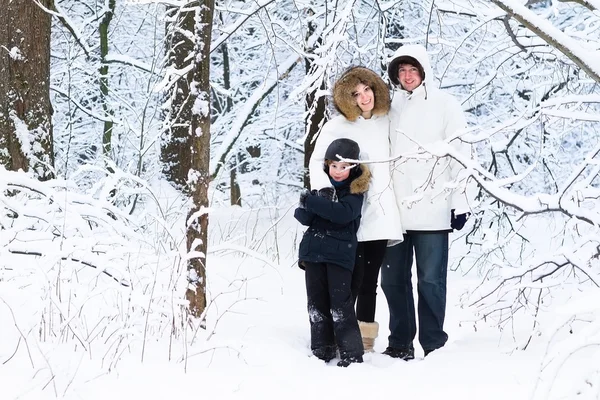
x,y
332,225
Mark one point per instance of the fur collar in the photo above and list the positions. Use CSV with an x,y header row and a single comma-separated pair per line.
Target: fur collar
x,y
345,103
361,183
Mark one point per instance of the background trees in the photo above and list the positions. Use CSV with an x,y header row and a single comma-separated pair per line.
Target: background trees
x,y
129,84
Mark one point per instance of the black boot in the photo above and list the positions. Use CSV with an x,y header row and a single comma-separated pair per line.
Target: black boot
x,y
326,353
344,362
405,353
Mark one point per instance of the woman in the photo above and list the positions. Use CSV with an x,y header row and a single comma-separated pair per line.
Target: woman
x,y
363,100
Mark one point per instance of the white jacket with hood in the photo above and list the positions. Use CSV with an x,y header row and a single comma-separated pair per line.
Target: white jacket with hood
x,y
380,216
426,187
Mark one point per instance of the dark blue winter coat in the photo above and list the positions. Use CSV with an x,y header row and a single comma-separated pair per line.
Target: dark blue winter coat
x,y
332,225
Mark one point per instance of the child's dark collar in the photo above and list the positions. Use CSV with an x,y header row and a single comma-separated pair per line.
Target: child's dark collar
x,y
340,184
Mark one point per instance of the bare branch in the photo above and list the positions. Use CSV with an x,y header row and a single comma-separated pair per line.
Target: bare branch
x,y
83,262
506,22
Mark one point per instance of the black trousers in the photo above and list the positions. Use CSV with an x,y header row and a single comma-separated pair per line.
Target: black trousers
x,y
331,311
369,257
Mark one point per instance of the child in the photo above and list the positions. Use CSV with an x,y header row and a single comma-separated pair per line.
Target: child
x,y
327,253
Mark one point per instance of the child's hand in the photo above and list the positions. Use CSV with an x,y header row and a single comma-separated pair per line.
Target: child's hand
x,y
328,193
303,195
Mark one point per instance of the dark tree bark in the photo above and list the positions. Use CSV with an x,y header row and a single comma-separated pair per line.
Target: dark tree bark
x,y
316,114
175,151
199,158
108,124
235,192
25,109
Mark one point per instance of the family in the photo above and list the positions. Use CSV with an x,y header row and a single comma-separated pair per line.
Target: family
x,y
360,216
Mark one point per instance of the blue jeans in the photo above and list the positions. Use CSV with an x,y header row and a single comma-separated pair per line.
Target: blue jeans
x,y
431,251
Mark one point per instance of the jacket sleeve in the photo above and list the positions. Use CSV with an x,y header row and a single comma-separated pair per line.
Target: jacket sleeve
x,y
303,216
455,122
318,177
394,116
343,211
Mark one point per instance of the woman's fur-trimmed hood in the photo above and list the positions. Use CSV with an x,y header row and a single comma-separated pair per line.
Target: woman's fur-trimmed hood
x,y
344,87
361,183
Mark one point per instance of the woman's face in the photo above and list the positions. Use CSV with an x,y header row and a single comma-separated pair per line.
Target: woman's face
x,y
339,171
365,99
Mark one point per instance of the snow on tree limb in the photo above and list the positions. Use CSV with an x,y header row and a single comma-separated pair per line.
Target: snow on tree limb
x,y
592,5
586,59
245,113
229,30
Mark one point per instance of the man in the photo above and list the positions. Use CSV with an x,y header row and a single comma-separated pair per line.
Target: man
x,y
430,201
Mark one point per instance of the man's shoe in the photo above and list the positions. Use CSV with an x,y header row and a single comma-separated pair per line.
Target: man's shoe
x,y
427,352
405,353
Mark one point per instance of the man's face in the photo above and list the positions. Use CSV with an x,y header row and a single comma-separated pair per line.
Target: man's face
x,y
339,171
409,77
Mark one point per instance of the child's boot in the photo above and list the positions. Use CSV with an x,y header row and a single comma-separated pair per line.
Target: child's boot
x,y
345,362
325,353
368,331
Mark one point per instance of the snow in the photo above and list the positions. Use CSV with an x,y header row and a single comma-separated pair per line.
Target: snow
x,y
22,133
16,54
117,342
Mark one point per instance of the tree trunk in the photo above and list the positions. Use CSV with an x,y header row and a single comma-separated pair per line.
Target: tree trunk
x,y
25,109
199,158
108,124
235,193
315,107
176,138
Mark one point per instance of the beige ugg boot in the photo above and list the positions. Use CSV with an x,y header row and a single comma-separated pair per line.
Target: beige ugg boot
x,y
368,331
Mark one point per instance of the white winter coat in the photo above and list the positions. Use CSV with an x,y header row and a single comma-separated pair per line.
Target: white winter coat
x,y
424,186
380,217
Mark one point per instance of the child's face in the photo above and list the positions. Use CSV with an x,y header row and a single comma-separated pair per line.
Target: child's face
x,y
339,171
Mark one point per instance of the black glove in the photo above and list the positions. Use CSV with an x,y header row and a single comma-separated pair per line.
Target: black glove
x,y
303,196
328,193
458,221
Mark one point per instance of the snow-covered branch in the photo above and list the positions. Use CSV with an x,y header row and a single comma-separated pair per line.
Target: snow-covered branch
x,y
250,105
586,59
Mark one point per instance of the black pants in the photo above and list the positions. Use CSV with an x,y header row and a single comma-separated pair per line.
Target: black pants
x,y
369,256
331,311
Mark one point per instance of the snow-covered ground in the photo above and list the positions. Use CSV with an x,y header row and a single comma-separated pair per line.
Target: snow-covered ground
x,y
256,344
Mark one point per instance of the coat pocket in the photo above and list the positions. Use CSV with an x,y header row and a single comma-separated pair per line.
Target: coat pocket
x,y
339,247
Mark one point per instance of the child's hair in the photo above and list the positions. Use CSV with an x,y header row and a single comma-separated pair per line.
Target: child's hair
x,y
329,162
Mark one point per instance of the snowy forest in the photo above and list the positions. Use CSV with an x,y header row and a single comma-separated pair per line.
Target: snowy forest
x,y
152,153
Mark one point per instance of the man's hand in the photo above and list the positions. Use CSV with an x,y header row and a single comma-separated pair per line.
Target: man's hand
x,y
328,193
457,222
